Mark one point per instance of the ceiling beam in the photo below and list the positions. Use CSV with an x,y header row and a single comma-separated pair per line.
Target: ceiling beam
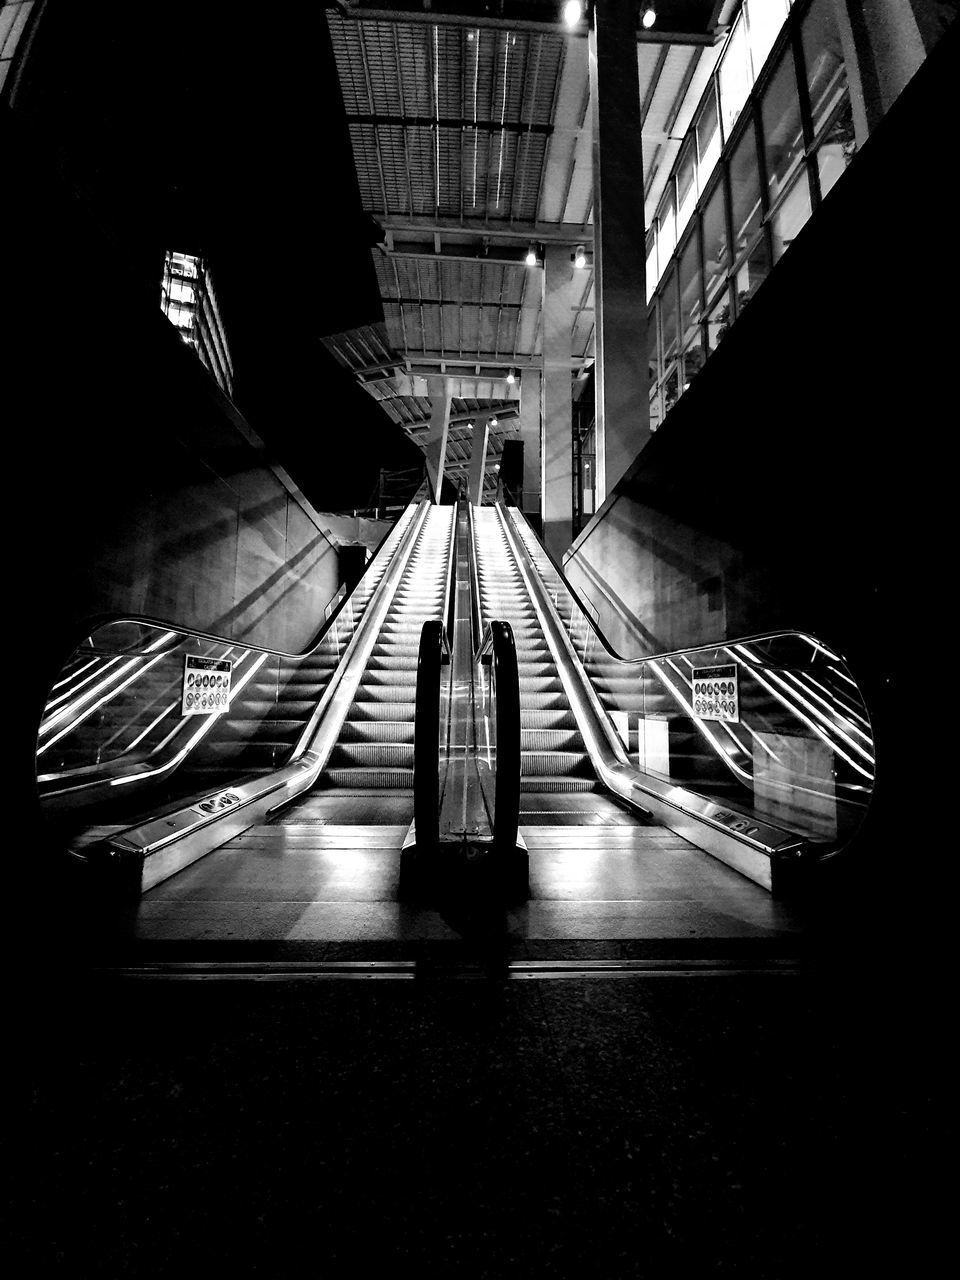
x,y
571,233
474,20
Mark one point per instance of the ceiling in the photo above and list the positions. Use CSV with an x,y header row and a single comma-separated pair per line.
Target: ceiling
x,y
471,129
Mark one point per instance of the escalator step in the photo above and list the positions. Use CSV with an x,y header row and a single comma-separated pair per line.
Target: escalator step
x,y
555,764
556,785
374,709
386,779
372,755
377,731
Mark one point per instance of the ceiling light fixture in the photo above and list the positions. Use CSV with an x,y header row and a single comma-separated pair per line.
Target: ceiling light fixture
x,y
572,12
531,258
648,17
579,258
511,378
493,422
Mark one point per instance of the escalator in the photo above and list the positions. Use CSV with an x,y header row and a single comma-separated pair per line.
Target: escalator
x,y
375,746
464,682
553,756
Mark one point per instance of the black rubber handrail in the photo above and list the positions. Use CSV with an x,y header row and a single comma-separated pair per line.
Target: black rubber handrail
x,y
499,640
426,734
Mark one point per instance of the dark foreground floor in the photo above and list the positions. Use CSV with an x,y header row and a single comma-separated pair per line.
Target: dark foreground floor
x,y
768,1125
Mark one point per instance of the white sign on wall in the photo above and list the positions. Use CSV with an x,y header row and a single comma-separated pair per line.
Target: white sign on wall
x,y
206,685
715,693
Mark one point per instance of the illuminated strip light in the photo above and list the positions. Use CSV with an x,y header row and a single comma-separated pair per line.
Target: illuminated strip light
x,y
191,742
802,681
790,786
850,712
73,676
820,648
70,693
173,705
818,714
503,108
723,725
699,723
53,721
814,711
50,777
843,676
811,725
101,702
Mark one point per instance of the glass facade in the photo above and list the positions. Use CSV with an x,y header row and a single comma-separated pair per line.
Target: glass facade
x,y
189,302
14,15
772,134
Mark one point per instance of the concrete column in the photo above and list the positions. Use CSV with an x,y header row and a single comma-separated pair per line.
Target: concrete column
x,y
531,434
557,399
623,409
478,458
435,445
884,42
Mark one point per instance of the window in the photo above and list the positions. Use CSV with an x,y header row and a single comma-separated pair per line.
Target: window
x,y
708,138
718,322
652,273
734,77
765,18
691,285
653,363
686,185
716,246
666,229
745,192
791,215
823,60
668,317
782,127
656,408
837,148
752,273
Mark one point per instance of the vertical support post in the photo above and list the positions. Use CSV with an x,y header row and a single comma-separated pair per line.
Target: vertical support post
x,y
621,377
531,434
478,458
435,445
557,399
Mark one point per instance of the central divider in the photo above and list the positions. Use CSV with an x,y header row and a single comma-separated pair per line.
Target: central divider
x,y
466,747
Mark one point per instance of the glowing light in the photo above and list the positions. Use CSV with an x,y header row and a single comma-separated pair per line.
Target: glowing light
x,y
579,258
572,12
648,17
511,378
531,258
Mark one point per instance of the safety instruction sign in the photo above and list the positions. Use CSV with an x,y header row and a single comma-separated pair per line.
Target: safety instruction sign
x,y
715,693
206,685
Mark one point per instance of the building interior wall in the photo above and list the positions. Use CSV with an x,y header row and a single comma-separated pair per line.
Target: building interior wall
x,y
800,481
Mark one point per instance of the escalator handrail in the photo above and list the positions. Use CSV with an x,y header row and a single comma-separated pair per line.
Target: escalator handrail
x,y
498,640
664,656
475,606
450,588
111,770
434,647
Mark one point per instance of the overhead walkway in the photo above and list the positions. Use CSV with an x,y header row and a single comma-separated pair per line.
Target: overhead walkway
x,y
459,711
